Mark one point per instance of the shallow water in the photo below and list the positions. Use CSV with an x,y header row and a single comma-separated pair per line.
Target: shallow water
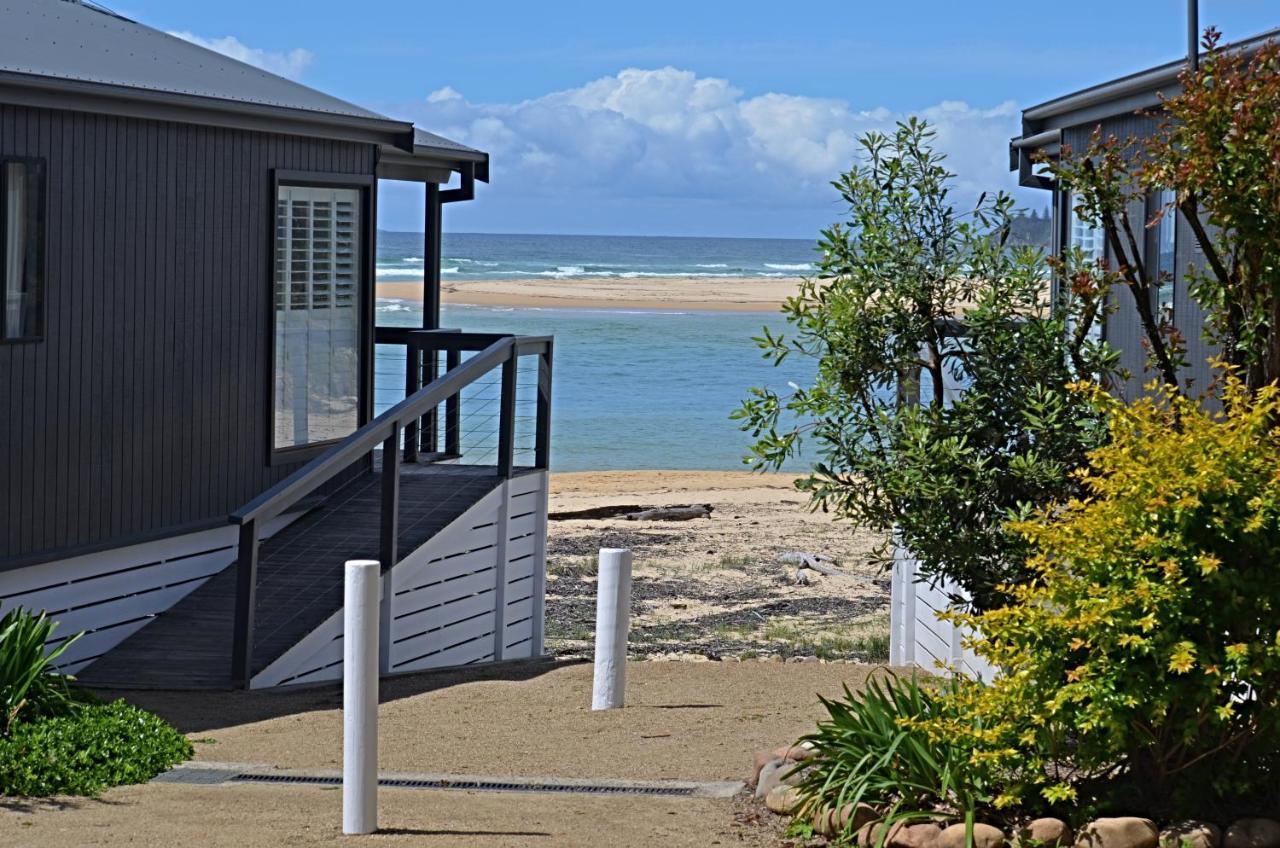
x,y
642,389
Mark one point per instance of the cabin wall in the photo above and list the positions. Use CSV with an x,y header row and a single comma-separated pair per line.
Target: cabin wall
x,y
1123,328
144,406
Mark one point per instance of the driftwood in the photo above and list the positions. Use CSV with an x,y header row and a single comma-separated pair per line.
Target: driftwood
x,y
814,562
672,513
636,512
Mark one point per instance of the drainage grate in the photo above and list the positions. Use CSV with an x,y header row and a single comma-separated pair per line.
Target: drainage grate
x,y
481,785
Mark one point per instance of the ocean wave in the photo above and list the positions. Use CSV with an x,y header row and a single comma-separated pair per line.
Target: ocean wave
x,y
802,266
404,274
450,270
712,265
413,259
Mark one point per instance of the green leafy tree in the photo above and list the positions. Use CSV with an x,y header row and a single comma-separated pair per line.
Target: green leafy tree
x,y
913,298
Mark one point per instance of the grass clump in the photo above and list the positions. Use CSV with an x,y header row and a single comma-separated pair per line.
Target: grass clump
x,y
94,747
28,686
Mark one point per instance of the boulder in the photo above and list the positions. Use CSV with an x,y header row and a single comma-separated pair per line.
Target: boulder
x,y
793,752
1252,833
1119,832
763,758
828,822
783,800
984,836
1191,834
775,773
901,835
1044,833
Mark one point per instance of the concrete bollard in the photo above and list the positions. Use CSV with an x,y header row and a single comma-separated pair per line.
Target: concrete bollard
x,y
613,621
360,697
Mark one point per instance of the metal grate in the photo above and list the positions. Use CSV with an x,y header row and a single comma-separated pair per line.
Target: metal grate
x,y
480,785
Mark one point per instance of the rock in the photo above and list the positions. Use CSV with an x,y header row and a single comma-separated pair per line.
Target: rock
x,y
783,800
1121,832
1191,834
775,773
984,836
919,835
828,822
800,577
1044,833
793,752
1252,833
763,758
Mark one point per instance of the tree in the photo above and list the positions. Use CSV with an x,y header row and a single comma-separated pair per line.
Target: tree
x,y
1218,150
911,297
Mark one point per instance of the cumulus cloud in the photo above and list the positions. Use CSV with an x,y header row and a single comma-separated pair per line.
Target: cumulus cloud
x,y
657,135
291,64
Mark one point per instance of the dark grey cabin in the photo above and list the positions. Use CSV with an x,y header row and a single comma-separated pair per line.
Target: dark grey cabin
x,y
188,447
1125,107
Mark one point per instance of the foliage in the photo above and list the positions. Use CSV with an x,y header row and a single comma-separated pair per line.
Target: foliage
x,y
27,685
98,746
912,293
1218,148
1146,648
874,749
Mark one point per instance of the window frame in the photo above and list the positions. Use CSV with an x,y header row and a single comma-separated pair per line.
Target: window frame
x,y
367,185
37,253
1155,200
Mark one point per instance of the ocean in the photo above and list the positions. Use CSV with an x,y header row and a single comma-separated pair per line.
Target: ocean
x,y
483,256
634,389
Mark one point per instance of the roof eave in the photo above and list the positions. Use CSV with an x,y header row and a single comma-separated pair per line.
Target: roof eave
x,y
104,98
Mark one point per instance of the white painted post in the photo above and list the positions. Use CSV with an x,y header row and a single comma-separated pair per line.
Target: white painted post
x,y
613,621
360,697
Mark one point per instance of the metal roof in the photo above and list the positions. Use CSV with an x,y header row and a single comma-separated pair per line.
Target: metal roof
x,y
75,55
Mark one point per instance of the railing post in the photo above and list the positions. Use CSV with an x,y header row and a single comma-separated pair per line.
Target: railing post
x,y
387,553
542,438
507,414
246,597
412,382
453,410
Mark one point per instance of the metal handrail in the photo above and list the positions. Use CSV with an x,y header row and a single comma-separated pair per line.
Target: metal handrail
x,y
386,429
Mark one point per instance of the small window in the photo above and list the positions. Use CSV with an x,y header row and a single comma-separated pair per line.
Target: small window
x,y
1089,237
1166,265
22,248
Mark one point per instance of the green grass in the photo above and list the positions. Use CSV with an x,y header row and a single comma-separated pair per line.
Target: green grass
x,y
866,639
573,566
736,561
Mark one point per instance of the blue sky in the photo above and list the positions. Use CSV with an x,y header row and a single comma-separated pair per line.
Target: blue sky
x,y
693,118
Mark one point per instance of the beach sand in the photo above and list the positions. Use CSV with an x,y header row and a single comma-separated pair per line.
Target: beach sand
x,y
704,294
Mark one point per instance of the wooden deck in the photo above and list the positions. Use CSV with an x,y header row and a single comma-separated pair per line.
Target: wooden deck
x,y
300,582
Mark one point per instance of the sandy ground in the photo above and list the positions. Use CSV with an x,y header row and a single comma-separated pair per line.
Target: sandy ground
x,y
709,294
714,587
682,720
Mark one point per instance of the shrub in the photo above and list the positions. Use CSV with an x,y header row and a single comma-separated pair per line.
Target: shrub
x,y
1146,648
97,746
27,685
874,749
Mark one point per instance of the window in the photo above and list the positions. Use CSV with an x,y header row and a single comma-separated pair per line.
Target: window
x,y
1089,238
1166,254
316,314
21,248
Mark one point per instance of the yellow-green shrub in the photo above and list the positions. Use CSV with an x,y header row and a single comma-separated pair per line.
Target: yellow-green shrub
x,y
1146,648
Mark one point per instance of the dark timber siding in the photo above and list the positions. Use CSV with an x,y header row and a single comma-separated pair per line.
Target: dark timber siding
x,y
144,406
1123,329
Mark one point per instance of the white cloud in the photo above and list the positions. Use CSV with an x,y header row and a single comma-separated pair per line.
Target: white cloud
x,y
652,138
291,64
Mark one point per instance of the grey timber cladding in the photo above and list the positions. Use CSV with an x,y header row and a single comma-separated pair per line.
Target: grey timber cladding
x,y
1123,329
144,406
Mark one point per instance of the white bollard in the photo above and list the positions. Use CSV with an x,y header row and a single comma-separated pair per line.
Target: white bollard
x,y
613,621
360,697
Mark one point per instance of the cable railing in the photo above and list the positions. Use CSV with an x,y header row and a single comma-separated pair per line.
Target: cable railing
x,y
468,398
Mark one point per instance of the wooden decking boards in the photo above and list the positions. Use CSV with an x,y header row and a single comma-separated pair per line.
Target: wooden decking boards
x,y
300,580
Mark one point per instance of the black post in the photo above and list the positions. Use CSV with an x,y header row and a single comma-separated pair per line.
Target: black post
x,y
246,597
412,382
453,410
542,450
1193,35
433,234
387,553
507,414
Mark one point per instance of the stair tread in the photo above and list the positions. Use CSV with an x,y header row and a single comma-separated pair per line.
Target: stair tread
x,y
300,582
